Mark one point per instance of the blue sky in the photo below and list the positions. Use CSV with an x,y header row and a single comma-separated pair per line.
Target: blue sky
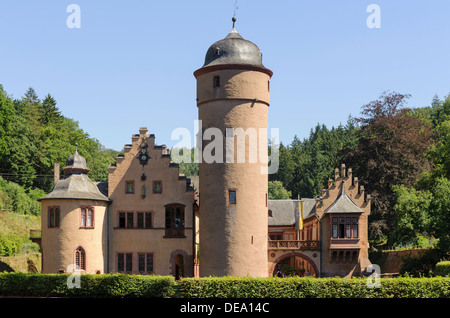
x,y
131,63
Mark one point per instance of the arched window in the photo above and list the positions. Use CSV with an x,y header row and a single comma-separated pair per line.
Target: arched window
x,y
174,220
80,258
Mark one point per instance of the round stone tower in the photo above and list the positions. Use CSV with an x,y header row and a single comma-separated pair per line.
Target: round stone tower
x,y
233,97
73,223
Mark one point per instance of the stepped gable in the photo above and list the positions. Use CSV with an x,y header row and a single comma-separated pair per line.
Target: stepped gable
x,y
156,152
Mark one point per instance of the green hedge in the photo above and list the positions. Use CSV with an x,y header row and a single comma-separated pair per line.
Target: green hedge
x,y
142,286
92,286
442,269
306,287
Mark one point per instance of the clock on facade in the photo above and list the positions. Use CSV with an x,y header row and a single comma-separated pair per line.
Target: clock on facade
x,y
143,153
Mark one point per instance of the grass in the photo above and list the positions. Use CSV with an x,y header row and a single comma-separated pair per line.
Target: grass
x,y
27,259
13,224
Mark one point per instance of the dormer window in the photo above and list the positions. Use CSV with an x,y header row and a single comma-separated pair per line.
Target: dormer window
x,y
216,52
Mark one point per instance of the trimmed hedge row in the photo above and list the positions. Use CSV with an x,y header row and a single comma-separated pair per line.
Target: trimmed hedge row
x,y
307,287
92,286
142,286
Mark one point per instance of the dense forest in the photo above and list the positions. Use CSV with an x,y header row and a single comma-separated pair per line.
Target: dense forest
x,y
33,136
401,156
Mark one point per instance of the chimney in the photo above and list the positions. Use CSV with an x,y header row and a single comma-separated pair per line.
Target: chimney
x,y
143,130
56,173
336,174
355,182
324,193
361,190
330,183
343,171
349,173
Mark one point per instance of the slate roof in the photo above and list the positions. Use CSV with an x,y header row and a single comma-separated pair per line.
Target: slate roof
x,y
283,211
233,49
76,184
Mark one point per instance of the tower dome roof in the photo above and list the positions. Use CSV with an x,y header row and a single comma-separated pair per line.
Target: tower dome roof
x,y
76,183
233,49
76,163
233,52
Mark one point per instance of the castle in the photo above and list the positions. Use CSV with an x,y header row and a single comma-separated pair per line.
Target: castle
x,y
149,219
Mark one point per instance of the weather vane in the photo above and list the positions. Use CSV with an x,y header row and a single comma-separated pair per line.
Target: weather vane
x,y
234,15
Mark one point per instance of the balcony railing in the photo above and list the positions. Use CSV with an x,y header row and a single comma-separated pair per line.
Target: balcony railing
x,y
174,232
294,245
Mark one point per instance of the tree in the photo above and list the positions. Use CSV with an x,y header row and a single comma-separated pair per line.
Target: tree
x,y
413,216
277,191
305,166
50,112
391,151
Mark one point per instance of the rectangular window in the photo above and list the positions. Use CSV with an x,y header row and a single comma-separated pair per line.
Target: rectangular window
x,y
87,217
145,263
120,262
149,263
140,220
355,230
231,196
129,262
341,230
148,220
344,227
125,262
129,187
130,219
122,220
53,217
216,81
157,186
348,230
335,230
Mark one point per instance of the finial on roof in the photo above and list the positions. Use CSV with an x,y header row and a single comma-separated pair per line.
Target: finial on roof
x,y
76,147
234,21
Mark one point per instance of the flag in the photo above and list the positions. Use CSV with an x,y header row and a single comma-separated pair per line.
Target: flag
x,y
299,215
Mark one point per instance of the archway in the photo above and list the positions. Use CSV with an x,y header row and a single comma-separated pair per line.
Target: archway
x,y
179,264
294,264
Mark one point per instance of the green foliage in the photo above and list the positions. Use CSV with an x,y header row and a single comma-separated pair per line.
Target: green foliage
x,y
442,269
186,160
305,166
277,191
14,198
308,287
142,286
93,286
412,212
10,245
423,265
34,135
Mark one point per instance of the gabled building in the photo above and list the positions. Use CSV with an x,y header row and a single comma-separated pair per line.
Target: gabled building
x,y
333,237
